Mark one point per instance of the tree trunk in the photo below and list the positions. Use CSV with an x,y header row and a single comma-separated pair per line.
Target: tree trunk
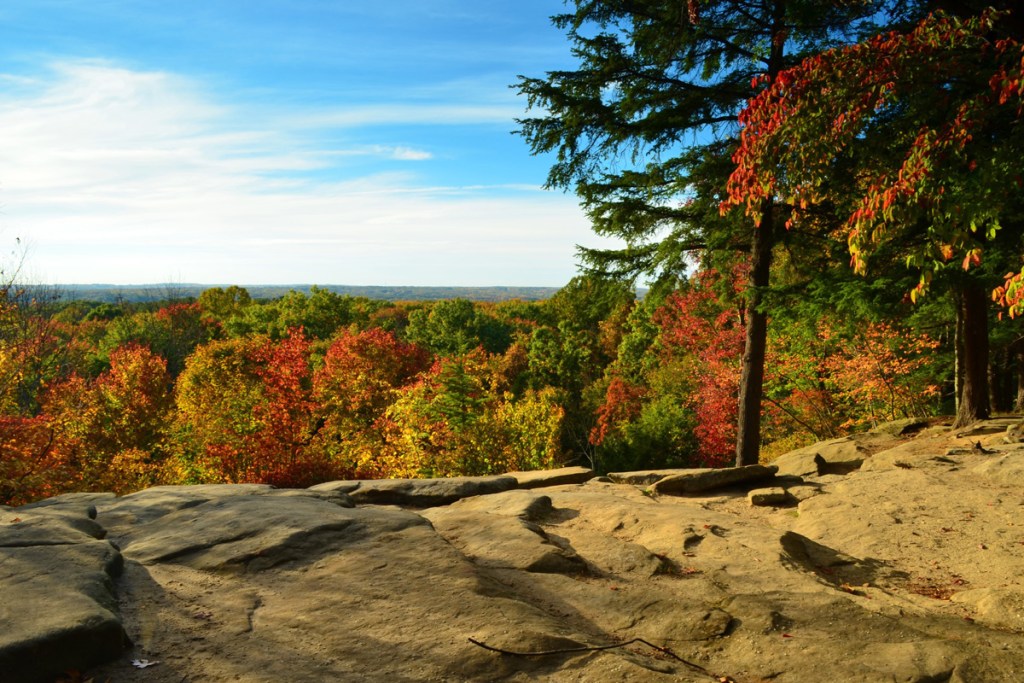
x,y
748,428
958,355
972,314
999,389
1018,403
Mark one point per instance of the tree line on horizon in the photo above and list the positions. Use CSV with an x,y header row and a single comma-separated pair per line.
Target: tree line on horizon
x,y
172,291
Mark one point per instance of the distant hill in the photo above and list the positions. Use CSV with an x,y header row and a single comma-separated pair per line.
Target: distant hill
x,y
171,291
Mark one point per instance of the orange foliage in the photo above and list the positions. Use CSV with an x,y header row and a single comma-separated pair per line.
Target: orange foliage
x,y
708,337
30,468
246,407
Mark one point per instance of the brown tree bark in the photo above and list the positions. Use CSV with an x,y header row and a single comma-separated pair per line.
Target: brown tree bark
x,y
748,428
1018,403
972,316
751,390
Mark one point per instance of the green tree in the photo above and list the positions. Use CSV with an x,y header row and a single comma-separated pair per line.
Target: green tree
x,y
644,128
245,413
173,332
113,431
361,377
456,421
457,326
225,304
926,123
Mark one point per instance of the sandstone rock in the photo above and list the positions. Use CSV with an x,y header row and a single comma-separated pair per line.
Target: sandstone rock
x,y
999,607
921,661
1005,469
541,478
409,599
802,492
144,506
515,503
1015,433
775,495
491,540
58,610
837,456
237,583
807,554
330,496
425,493
47,526
643,477
255,533
74,502
996,425
921,451
618,557
700,480
338,486
910,425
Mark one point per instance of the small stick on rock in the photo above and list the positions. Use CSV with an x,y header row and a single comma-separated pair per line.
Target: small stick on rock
x,y
594,648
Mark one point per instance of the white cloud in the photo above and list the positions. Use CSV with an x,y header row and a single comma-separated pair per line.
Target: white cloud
x,y
409,154
413,113
115,175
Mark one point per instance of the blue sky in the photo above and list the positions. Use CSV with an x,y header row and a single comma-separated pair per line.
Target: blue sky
x,y
279,142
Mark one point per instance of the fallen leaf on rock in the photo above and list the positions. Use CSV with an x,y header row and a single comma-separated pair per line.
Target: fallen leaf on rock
x,y
143,663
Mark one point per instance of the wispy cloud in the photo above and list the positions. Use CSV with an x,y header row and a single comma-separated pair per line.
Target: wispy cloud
x,y
412,113
119,175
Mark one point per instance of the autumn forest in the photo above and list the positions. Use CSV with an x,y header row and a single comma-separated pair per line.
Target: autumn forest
x,y
308,388
823,199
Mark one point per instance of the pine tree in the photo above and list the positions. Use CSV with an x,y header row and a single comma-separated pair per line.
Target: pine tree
x,y
644,128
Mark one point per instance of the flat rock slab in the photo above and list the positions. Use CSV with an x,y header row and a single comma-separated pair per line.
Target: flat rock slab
x,y
1005,469
425,493
255,533
837,456
23,529
996,425
69,501
262,585
644,477
776,495
516,503
341,486
699,481
503,541
909,425
565,475
58,611
149,504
